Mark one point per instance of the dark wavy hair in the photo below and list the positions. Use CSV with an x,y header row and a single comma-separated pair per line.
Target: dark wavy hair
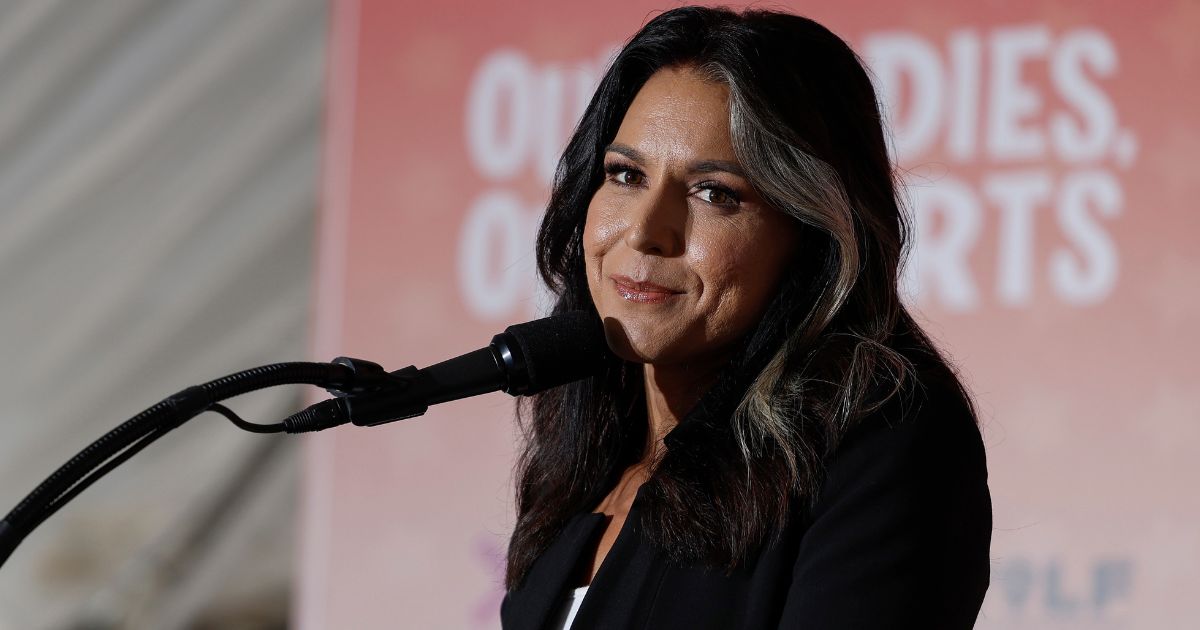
x,y
834,345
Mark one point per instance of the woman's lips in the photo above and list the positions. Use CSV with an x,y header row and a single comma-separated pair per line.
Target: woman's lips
x,y
644,292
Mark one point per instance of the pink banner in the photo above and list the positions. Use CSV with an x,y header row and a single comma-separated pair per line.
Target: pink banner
x,y
1049,151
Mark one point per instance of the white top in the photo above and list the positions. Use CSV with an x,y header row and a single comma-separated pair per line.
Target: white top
x,y
570,606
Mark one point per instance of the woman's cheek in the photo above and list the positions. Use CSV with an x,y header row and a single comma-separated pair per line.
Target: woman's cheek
x,y
714,258
603,226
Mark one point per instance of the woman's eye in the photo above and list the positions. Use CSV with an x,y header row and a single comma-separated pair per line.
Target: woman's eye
x,y
627,177
624,174
718,196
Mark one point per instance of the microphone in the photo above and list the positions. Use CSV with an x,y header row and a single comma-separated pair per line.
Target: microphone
x,y
523,360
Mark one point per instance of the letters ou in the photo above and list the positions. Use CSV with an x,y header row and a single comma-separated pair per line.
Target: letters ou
x,y
518,117
519,114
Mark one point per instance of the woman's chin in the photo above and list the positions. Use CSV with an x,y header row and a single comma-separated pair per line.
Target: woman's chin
x,y
631,350
635,343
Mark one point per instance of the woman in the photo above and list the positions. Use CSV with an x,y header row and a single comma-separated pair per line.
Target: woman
x,y
775,443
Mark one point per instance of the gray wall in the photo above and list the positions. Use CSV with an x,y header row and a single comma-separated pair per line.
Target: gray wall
x,y
158,182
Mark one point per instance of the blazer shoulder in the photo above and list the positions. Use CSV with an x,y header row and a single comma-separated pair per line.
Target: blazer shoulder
x,y
899,535
928,435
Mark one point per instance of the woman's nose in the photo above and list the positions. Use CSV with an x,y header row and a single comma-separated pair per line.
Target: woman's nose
x,y
658,224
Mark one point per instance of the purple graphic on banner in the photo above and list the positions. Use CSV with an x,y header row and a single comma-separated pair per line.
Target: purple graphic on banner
x,y
490,553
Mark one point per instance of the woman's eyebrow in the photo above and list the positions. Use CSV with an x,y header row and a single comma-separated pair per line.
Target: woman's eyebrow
x,y
696,168
625,150
711,166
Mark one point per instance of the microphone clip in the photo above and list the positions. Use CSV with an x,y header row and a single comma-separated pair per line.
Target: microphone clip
x,y
368,377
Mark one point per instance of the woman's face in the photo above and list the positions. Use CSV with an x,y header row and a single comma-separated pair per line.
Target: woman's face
x,y
682,254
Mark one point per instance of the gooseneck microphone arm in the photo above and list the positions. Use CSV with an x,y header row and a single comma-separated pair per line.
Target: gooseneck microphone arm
x,y
524,359
138,432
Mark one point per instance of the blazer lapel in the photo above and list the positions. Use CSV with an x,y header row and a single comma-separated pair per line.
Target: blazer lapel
x,y
529,605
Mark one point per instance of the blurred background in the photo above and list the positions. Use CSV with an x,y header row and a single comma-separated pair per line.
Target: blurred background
x,y
159,169
193,187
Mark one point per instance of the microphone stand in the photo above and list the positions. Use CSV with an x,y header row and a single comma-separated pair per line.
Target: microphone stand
x,y
364,393
344,377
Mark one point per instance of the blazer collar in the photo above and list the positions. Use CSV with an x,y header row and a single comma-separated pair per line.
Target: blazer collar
x,y
530,605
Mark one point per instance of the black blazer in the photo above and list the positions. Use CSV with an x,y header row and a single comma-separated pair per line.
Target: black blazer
x,y
899,538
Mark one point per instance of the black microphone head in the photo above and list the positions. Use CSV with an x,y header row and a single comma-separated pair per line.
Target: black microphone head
x,y
552,351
